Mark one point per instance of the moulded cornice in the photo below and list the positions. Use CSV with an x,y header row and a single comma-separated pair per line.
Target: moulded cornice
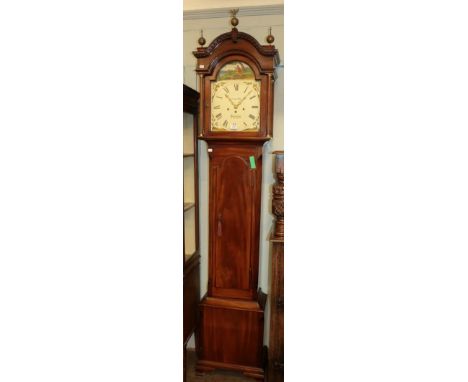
x,y
266,50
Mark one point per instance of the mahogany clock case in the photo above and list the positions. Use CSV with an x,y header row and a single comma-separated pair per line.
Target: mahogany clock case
x,y
262,59
231,314
234,214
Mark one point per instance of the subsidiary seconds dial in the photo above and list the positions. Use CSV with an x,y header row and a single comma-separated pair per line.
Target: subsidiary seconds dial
x,y
235,105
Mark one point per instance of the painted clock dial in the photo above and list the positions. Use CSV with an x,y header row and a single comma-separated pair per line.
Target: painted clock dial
x,y
235,99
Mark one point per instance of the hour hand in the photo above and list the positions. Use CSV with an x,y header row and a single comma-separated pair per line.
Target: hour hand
x,y
232,103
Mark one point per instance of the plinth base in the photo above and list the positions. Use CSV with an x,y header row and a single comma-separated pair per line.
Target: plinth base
x,y
231,336
208,366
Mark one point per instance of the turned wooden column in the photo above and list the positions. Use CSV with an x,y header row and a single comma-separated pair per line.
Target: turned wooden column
x,y
276,346
278,196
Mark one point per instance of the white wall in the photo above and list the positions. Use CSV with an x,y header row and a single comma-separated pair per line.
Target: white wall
x,y
257,26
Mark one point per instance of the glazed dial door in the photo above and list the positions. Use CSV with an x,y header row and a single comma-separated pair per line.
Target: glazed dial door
x,y
235,99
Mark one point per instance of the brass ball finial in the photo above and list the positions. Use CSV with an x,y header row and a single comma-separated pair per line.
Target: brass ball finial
x,y
234,19
201,40
270,38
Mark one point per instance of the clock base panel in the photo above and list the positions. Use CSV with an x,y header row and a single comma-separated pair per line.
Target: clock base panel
x,y
231,336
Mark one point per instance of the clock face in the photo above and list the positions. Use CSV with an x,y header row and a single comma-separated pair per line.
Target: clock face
x,y
235,99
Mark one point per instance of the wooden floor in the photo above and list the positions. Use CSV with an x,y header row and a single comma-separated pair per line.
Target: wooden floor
x,y
215,376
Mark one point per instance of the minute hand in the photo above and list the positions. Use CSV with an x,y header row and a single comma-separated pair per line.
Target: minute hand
x,y
243,99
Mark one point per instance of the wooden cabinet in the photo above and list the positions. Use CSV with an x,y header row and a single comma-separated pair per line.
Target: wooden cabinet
x,y
190,159
276,348
191,254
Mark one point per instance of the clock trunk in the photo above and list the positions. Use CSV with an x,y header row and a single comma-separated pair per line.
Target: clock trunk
x,y
235,191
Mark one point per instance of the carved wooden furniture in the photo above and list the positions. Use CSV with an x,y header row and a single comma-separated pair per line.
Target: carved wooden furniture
x,y
276,348
236,97
191,255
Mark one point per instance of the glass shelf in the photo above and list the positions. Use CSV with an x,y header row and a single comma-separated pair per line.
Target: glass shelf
x,y
189,231
189,178
188,205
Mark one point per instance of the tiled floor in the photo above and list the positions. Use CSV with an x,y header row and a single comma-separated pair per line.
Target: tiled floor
x,y
214,376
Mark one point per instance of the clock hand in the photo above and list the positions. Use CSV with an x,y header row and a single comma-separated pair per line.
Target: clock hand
x,y
232,102
243,99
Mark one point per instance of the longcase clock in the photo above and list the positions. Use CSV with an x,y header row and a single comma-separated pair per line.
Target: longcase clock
x,y
236,118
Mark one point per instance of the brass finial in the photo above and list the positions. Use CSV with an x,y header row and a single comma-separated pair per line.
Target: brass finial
x,y
201,40
234,19
270,38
